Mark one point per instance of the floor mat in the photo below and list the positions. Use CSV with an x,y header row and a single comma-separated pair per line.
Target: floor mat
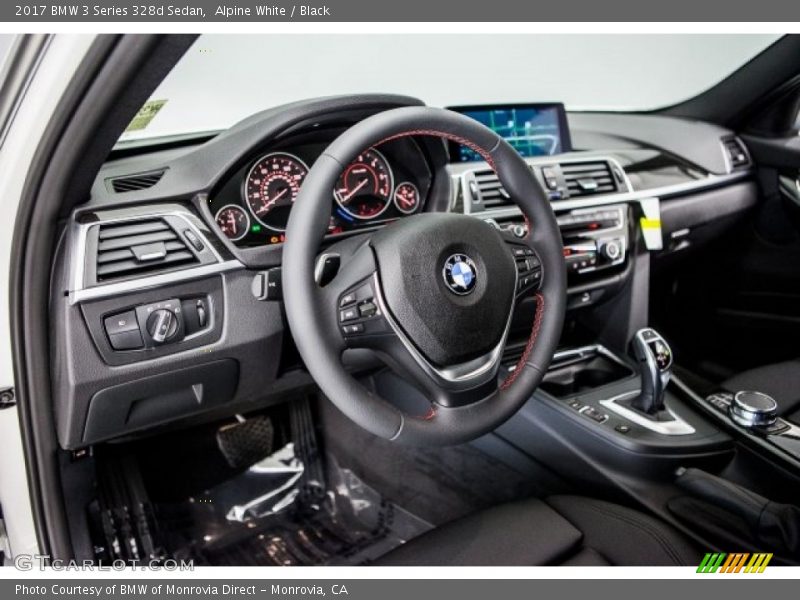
x,y
262,517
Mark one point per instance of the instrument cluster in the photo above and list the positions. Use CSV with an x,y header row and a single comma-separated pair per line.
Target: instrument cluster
x,y
378,186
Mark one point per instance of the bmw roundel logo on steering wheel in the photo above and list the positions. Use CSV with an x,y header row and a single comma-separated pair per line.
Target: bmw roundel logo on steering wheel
x,y
460,274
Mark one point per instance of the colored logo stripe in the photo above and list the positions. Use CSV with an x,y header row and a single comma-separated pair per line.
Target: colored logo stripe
x,y
711,562
758,563
734,563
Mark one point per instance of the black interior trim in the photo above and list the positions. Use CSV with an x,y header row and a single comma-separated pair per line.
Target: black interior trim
x,y
736,97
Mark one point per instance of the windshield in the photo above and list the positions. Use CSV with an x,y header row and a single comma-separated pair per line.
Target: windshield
x,y
225,78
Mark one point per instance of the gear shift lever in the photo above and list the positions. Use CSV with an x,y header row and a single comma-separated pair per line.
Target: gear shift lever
x,y
655,360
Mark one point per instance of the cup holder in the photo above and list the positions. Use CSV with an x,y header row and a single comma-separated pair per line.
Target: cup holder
x,y
576,372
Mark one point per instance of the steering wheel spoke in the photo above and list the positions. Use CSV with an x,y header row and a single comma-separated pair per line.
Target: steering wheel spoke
x,y
432,294
529,266
449,386
349,300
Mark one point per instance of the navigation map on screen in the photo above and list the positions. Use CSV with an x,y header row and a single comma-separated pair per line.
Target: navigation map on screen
x,y
531,130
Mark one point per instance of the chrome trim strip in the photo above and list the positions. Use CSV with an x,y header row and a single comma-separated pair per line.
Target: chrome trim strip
x,y
136,285
465,375
709,182
583,351
676,427
80,293
538,162
793,431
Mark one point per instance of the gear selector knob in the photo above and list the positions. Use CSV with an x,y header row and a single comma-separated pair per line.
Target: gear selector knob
x,y
655,359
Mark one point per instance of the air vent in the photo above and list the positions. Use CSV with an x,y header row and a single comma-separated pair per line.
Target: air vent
x,y
141,181
588,178
736,152
489,190
135,248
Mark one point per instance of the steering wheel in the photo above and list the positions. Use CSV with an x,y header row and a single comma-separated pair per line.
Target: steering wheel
x,y
432,294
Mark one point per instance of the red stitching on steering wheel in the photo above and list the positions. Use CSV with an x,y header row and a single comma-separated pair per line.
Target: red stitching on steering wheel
x,y
537,325
537,320
448,136
458,140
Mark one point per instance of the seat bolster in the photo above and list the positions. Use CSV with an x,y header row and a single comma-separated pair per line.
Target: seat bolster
x,y
521,533
624,536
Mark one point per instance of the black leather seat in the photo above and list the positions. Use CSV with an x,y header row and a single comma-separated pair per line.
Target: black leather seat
x,y
780,380
560,530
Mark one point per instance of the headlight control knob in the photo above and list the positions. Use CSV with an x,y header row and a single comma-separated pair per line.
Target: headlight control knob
x,y
753,409
162,325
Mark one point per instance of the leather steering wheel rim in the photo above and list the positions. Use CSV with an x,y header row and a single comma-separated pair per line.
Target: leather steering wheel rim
x,y
313,316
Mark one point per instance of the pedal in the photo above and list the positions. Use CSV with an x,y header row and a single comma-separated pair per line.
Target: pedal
x,y
304,436
246,442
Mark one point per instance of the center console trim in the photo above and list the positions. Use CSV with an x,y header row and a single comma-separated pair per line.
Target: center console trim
x,y
675,427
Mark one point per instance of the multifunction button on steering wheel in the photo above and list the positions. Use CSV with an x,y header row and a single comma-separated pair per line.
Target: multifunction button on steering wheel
x,y
432,294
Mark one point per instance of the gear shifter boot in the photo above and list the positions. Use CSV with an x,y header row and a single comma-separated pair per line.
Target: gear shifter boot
x,y
655,362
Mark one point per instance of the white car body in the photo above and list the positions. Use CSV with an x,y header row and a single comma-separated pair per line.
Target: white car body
x,y
39,96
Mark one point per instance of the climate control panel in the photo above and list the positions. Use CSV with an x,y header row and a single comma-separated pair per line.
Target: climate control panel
x,y
594,239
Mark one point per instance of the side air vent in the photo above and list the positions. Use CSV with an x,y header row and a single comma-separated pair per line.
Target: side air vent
x,y
736,152
489,190
588,178
135,248
140,181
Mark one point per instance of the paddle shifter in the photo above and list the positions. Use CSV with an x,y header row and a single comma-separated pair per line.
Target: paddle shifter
x,y
655,360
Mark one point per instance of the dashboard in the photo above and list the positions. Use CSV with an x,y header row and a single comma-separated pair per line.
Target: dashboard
x,y
195,229
383,184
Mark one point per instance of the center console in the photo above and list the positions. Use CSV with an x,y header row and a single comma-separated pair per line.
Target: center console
x,y
753,416
626,401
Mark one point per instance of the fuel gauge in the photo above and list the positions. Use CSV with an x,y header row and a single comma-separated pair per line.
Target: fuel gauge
x,y
406,198
233,221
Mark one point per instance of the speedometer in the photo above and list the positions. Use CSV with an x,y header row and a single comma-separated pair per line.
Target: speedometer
x,y
364,189
272,186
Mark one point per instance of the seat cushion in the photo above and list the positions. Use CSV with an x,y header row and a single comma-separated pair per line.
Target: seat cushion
x,y
780,380
624,536
561,530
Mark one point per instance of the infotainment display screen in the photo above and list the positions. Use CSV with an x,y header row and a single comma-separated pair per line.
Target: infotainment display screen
x,y
532,129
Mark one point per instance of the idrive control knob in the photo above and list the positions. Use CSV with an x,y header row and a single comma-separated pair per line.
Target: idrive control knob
x,y
753,409
162,325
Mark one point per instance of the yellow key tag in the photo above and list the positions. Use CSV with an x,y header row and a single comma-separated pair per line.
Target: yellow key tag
x,y
651,224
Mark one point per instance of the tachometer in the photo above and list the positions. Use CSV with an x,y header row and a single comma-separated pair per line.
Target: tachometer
x,y
364,189
406,197
233,221
272,186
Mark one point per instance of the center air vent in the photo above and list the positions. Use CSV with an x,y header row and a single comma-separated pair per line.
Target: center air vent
x,y
144,247
490,191
588,178
140,181
736,152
